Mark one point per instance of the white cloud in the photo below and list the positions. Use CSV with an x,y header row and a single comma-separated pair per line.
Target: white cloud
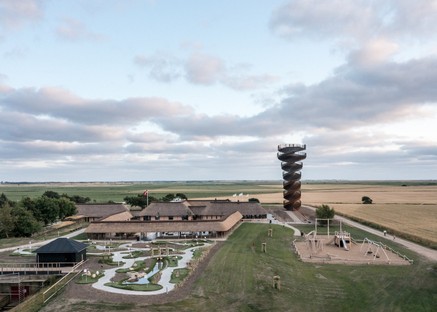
x,y
204,69
15,14
74,30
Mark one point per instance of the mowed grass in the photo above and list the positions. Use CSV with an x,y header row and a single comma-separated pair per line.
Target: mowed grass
x,y
239,278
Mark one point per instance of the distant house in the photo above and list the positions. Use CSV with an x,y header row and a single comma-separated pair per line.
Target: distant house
x,y
61,250
189,218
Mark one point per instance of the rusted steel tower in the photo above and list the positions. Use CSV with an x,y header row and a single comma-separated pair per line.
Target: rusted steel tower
x,y
290,156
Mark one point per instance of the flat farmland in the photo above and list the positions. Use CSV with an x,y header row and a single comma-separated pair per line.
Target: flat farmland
x,y
103,192
407,211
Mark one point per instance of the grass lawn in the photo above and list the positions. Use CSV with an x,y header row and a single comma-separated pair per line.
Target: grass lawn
x,y
239,278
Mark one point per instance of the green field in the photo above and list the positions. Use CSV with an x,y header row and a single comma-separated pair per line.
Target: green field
x,y
116,191
239,278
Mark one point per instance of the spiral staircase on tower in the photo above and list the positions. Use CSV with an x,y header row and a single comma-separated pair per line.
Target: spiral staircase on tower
x,y
291,157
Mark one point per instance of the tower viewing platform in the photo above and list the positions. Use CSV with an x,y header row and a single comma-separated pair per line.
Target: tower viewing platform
x,y
291,157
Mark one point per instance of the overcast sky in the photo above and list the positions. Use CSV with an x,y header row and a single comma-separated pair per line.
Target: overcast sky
x,y
111,90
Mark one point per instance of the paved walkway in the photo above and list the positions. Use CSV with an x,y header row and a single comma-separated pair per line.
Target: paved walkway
x,y
40,243
165,274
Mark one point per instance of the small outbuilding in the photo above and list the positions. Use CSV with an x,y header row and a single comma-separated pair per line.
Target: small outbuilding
x,y
62,250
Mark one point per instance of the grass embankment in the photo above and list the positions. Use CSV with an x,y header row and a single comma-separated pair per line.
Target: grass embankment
x,y
239,278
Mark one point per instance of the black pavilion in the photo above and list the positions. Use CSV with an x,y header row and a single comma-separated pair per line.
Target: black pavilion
x,y
62,250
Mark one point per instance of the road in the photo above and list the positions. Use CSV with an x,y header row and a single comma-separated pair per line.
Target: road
x,y
37,244
428,253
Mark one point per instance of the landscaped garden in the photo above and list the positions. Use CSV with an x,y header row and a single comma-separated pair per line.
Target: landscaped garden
x,y
239,277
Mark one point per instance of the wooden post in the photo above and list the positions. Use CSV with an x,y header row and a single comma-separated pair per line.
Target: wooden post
x,y
264,247
277,282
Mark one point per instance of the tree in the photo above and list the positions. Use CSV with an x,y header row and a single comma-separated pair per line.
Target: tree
x,y
77,199
366,200
6,221
255,200
25,224
48,209
325,212
168,197
4,200
139,200
66,208
181,196
51,194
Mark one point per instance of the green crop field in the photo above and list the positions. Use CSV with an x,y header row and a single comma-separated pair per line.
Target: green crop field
x,y
239,278
116,191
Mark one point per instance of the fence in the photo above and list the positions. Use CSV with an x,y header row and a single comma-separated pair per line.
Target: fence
x,y
35,302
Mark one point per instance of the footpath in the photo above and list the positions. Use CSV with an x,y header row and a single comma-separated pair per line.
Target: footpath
x,y
41,243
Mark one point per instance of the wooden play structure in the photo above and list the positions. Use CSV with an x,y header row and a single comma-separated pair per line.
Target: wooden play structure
x,y
343,239
373,249
326,245
316,244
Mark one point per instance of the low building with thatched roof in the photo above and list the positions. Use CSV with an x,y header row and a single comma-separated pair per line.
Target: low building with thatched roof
x,y
93,212
189,218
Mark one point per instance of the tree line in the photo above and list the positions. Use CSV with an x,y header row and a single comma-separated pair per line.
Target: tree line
x,y
30,215
142,200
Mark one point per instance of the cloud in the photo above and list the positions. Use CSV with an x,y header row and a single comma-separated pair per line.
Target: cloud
x,y
324,18
204,70
74,30
374,51
163,68
15,14
59,103
359,20
360,95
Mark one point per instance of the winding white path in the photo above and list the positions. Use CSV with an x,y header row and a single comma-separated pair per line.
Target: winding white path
x,y
165,274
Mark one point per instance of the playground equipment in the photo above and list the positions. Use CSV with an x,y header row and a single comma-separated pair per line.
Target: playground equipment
x,y
314,244
340,238
343,239
373,248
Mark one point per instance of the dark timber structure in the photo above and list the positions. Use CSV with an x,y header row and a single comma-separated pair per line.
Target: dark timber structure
x,y
62,250
290,156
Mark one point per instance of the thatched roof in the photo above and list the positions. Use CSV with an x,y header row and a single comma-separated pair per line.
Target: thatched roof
x,y
202,208
165,209
122,216
223,225
224,208
100,210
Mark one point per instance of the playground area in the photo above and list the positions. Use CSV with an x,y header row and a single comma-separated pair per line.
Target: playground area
x,y
340,247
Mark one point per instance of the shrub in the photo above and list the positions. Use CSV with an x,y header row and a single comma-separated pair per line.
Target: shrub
x,y
366,200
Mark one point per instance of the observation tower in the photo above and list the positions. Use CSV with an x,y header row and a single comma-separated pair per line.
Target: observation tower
x,y
290,156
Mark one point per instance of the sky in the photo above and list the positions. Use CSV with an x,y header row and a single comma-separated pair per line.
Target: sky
x,y
143,90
